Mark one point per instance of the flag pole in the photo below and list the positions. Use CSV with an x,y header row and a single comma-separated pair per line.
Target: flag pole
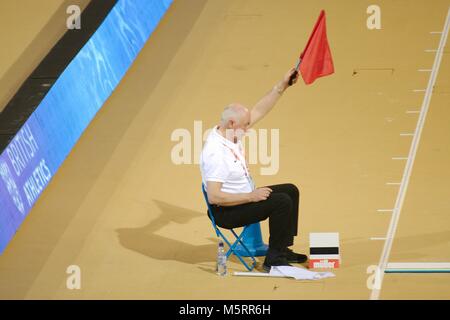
x,y
294,75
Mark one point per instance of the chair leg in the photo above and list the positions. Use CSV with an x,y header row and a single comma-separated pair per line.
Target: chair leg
x,y
239,241
233,246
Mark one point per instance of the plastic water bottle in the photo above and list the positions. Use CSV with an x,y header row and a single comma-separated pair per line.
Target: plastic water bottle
x,y
221,266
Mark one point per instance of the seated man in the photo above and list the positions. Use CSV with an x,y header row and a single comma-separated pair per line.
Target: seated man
x,y
234,200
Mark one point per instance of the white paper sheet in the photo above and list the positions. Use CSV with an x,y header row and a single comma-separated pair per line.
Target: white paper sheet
x,y
299,273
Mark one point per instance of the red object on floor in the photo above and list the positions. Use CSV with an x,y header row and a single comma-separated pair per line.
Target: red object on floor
x,y
324,263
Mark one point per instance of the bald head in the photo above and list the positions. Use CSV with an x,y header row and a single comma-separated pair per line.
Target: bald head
x,y
235,112
234,121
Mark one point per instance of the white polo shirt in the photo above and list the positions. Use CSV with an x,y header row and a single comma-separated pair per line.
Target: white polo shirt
x,y
223,161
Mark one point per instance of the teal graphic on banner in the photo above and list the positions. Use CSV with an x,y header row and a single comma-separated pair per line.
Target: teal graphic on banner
x,y
39,148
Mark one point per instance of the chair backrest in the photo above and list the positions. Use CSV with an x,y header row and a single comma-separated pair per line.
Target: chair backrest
x,y
213,221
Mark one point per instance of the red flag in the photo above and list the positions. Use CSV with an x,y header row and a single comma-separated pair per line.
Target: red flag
x,y
316,60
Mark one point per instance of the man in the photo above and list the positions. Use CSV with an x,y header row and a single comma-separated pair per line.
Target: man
x,y
234,200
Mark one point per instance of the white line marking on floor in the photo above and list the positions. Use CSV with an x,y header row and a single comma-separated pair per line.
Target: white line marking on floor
x,y
418,265
413,111
406,134
375,294
257,274
393,183
385,210
436,32
424,70
378,238
430,50
399,158
419,90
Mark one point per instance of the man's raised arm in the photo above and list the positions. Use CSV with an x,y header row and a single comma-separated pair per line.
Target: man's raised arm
x,y
263,106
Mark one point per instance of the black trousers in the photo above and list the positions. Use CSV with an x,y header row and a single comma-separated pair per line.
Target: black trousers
x,y
281,207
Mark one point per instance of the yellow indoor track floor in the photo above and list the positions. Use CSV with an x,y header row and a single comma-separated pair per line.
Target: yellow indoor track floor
x,y
135,222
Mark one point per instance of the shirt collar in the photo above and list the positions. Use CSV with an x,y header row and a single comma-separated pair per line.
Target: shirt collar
x,y
223,139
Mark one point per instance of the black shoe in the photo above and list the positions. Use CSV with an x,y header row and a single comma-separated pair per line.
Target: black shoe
x,y
275,261
293,257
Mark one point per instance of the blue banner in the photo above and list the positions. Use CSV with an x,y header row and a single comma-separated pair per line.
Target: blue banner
x,y
44,141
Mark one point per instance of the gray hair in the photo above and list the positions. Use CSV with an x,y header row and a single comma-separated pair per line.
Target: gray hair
x,y
231,112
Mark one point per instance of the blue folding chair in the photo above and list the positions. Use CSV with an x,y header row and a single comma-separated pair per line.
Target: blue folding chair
x,y
232,247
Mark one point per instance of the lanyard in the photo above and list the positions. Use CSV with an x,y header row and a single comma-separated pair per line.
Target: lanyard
x,y
245,167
